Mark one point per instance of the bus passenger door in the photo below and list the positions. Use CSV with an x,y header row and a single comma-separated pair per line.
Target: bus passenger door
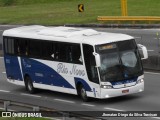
x,y
91,70
11,59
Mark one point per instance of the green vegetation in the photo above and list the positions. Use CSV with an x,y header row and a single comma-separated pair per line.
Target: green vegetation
x,y
60,12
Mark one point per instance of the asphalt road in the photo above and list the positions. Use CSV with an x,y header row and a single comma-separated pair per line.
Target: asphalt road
x,y
149,100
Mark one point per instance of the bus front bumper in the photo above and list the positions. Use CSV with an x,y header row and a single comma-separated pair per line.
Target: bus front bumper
x,y
108,93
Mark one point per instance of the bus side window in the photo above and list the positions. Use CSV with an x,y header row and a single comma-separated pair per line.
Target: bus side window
x,y
5,41
61,51
9,45
16,46
35,48
74,54
47,50
90,63
56,53
21,47
69,53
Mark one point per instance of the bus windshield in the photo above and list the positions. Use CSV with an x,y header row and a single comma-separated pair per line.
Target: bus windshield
x,y
119,61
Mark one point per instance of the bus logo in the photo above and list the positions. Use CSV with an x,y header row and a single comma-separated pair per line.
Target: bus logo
x,y
6,114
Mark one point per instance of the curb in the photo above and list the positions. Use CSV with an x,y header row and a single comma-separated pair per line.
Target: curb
x,y
139,26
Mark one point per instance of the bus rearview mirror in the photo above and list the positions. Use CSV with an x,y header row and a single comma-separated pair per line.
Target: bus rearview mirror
x,y
97,58
144,51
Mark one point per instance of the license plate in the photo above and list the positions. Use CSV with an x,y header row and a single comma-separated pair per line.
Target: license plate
x,y
125,91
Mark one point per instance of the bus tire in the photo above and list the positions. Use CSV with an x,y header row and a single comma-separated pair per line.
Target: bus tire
x,y
83,94
29,85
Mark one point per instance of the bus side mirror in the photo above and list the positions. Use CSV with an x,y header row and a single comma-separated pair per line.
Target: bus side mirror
x,y
144,51
97,58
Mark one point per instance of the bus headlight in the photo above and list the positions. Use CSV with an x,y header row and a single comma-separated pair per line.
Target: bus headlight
x,y
106,86
140,81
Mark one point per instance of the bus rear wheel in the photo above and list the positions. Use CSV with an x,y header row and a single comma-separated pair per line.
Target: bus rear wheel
x,y
83,94
29,85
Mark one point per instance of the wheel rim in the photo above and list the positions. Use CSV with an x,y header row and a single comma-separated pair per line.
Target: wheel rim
x,y
83,93
29,86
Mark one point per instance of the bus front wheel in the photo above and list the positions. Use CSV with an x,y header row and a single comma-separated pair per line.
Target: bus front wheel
x,y
83,94
29,85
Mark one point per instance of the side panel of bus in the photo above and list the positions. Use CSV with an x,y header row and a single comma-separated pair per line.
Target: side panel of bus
x,y
49,65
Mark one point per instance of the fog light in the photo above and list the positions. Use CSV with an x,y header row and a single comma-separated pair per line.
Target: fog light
x,y
140,90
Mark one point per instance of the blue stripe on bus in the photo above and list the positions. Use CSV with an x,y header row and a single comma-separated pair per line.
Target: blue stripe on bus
x,y
84,83
124,81
41,73
12,67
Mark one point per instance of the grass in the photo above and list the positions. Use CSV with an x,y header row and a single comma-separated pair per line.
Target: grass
x,y
60,12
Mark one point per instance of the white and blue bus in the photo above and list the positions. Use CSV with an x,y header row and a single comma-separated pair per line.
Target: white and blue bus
x,y
71,60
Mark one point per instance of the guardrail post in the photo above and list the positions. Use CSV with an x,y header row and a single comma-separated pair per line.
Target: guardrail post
x,y
6,104
35,109
65,115
159,44
124,7
158,39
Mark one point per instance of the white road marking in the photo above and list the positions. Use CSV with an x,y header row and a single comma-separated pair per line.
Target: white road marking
x,y
113,109
150,50
137,37
157,38
64,101
6,91
51,118
152,73
88,105
30,95
4,72
156,117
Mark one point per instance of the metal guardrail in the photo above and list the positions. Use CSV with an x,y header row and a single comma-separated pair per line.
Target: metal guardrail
x,y
64,114
8,103
128,18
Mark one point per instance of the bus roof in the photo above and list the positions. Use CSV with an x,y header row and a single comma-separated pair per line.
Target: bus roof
x,y
66,34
